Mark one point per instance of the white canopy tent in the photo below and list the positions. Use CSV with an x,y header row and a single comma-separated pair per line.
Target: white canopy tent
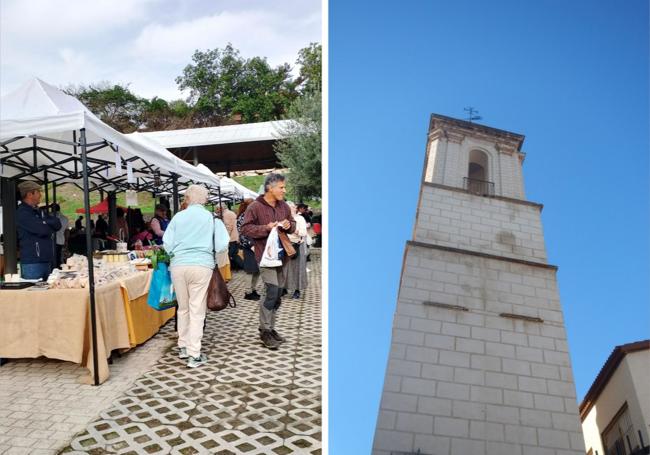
x,y
229,186
49,136
40,138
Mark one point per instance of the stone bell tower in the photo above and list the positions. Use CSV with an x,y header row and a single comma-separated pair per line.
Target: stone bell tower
x,y
478,361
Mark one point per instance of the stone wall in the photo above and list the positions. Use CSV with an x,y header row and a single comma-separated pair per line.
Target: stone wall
x,y
473,382
461,220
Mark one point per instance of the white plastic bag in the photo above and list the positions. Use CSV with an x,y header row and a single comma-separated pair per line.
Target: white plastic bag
x,y
270,256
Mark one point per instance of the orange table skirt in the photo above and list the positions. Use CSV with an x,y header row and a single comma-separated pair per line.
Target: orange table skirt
x,y
143,321
226,274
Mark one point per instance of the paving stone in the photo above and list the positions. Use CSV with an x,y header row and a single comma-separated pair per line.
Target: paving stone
x,y
246,399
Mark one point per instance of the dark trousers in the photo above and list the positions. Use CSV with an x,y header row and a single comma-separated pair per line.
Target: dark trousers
x,y
273,278
236,262
58,259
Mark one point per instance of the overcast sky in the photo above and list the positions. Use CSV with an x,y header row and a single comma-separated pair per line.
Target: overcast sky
x,y
144,43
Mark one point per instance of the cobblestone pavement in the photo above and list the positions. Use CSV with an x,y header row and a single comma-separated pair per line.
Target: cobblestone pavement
x,y
247,399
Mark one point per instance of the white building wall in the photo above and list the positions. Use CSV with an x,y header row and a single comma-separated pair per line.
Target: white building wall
x,y
629,383
639,366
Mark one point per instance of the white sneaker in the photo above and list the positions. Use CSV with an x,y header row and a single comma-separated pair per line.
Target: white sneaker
x,y
182,353
194,362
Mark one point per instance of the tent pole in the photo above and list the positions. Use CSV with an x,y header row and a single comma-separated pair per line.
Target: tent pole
x,y
54,192
55,262
175,203
89,255
47,193
112,215
10,234
175,193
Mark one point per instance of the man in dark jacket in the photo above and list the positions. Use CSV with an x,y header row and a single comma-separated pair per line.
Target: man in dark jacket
x,y
35,229
265,213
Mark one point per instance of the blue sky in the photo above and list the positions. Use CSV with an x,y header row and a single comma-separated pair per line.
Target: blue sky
x,y
572,77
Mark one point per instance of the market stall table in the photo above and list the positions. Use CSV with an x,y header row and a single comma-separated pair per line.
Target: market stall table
x,y
143,321
55,323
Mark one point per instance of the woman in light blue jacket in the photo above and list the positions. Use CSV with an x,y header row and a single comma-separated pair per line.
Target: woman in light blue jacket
x,y
192,238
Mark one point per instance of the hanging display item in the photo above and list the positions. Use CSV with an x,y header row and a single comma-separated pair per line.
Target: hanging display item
x,y
118,161
131,198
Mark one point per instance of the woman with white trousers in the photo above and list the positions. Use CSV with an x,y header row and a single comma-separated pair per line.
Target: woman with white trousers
x,y
192,238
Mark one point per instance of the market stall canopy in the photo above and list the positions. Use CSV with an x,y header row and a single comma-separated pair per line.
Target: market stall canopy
x,y
230,187
100,207
187,173
239,189
244,147
40,139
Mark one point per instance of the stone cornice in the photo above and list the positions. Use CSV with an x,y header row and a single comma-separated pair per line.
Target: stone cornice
x,y
480,254
506,140
500,198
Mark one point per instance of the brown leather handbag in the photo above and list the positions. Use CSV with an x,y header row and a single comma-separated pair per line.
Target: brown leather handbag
x,y
287,246
219,297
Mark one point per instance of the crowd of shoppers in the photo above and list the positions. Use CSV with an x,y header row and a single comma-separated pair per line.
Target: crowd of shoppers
x,y
196,241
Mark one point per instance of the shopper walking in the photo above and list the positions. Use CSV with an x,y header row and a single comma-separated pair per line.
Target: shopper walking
x,y
191,239
297,266
269,211
250,264
229,218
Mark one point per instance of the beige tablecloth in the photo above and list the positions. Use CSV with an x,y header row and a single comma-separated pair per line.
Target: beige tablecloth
x,y
56,324
137,284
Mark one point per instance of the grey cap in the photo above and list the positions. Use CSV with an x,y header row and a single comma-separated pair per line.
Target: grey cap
x,y
26,187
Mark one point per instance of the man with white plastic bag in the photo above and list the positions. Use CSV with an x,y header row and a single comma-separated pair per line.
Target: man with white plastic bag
x,y
267,215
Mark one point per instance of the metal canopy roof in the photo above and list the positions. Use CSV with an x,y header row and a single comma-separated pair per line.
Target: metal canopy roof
x,y
226,148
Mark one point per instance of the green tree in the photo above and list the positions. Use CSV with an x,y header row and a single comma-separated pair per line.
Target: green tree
x,y
310,60
223,84
301,150
114,104
159,115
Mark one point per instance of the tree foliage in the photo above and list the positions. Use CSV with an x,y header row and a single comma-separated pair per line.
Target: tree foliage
x,y
223,88
310,60
301,150
223,84
121,109
115,104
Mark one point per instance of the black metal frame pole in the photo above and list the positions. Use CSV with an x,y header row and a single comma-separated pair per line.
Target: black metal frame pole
x,y
112,215
54,192
10,235
175,203
55,262
175,193
47,193
89,255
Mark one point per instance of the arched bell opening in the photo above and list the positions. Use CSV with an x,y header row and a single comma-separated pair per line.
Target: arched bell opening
x,y
477,180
